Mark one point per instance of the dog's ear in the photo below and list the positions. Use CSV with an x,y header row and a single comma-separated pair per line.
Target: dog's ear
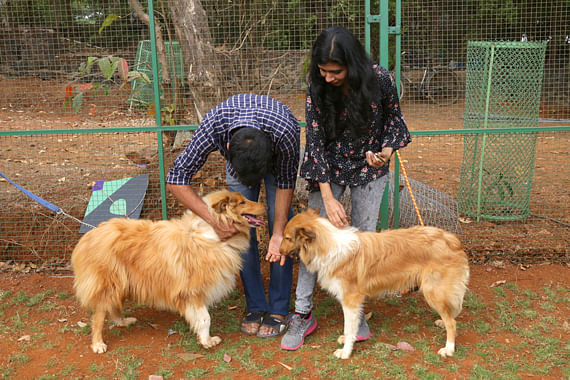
x,y
314,211
220,205
306,234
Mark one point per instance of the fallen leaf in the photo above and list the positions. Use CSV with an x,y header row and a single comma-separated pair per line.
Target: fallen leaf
x,y
286,366
81,324
187,356
227,358
368,315
391,347
61,320
497,283
24,338
404,346
498,264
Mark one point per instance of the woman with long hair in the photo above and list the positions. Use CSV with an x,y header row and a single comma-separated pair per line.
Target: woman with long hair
x,y
353,126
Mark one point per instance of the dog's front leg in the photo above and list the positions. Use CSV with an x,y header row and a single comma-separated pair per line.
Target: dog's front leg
x,y
351,321
199,320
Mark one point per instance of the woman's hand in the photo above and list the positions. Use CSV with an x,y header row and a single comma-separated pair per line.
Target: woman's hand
x,y
379,159
336,213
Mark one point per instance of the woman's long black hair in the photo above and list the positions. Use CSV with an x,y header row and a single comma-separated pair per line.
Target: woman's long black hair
x,y
339,45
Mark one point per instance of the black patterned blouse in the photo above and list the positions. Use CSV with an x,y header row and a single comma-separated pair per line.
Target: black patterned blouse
x,y
343,161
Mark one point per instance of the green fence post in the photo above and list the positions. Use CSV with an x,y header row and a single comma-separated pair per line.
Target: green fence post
x,y
157,115
384,60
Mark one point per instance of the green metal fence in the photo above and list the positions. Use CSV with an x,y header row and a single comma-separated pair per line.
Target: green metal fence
x,y
67,120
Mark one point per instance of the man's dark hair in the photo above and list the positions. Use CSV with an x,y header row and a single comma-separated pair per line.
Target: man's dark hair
x,y
251,155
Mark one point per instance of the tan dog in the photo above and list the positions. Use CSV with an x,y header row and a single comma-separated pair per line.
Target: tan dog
x,y
353,265
179,265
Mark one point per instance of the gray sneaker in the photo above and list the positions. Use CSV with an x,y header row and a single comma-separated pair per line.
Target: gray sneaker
x,y
298,330
363,332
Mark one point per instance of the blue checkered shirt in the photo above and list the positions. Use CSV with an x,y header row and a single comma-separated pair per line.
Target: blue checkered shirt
x,y
244,110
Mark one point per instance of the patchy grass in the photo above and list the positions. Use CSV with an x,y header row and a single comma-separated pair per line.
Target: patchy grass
x,y
511,331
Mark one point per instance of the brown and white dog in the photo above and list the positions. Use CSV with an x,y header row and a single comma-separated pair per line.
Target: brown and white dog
x,y
179,265
353,265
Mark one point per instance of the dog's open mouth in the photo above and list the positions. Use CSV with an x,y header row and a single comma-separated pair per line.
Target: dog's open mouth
x,y
253,221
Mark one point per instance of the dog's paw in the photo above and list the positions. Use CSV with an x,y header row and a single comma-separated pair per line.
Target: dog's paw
x,y
439,323
211,341
340,339
447,351
341,354
99,347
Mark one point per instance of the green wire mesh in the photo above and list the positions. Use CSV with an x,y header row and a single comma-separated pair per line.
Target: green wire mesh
x,y
503,88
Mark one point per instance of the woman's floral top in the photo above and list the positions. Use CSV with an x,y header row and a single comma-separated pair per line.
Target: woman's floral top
x,y
343,161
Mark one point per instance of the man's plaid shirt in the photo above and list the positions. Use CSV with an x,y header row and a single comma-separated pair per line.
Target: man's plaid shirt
x,y
244,110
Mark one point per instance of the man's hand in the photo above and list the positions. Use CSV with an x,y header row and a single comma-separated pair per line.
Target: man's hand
x,y
188,197
224,230
273,254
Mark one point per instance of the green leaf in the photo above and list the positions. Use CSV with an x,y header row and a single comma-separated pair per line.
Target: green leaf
x,y
77,101
108,21
85,67
108,66
138,75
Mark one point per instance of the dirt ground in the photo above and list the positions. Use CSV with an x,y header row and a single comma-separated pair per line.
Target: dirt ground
x,y
45,335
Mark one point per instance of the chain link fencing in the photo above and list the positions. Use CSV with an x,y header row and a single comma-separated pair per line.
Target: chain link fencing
x,y
80,106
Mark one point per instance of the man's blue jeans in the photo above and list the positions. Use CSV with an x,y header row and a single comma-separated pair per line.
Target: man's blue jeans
x,y
281,277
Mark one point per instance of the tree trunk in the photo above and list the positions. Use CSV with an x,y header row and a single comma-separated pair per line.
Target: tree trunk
x,y
197,45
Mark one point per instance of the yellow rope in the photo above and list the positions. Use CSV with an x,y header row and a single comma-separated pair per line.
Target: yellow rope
x,y
410,188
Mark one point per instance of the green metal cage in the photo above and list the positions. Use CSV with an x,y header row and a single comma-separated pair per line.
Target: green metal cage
x,y
503,89
141,92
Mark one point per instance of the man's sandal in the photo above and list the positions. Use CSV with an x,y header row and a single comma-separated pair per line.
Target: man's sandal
x,y
278,325
252,318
